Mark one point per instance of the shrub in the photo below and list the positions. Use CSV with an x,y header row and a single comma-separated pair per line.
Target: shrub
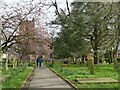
x,y
32,64
118,59
67,72
50,65
65,61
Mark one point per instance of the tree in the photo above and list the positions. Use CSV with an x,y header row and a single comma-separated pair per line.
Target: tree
x,y
12,16
97,22
92,23
69,36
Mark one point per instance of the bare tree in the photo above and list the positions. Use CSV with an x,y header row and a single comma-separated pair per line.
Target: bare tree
x,y
13,16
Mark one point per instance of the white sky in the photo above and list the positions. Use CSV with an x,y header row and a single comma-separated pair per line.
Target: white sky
x,y
9,1
61,4
59,1
50,13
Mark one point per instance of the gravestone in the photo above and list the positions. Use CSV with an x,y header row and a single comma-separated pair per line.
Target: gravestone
x,y
97,80
116,65
90,64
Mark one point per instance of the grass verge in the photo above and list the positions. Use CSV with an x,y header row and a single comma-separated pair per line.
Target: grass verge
x,y
16,81
72,72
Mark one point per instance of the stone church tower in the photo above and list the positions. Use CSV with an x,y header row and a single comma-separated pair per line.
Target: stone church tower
x,y
27,40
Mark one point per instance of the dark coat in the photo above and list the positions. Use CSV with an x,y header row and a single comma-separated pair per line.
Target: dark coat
x,y
39,60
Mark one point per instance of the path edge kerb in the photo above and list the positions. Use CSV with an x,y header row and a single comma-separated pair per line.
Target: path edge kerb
x,y
67,81
27,78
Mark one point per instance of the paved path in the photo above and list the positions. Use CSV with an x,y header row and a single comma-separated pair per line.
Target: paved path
x,y
45,78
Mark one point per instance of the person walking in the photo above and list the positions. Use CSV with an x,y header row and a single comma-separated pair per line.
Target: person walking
x,y
39,59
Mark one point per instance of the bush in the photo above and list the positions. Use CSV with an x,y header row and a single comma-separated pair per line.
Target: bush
x,y
118,59
67,72
50,65
32,64
65,61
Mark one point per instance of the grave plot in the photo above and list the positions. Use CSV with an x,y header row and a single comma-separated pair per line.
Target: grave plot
x,y
97,80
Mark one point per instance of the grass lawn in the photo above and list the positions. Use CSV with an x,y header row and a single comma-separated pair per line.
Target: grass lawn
x,y
17,77
72,72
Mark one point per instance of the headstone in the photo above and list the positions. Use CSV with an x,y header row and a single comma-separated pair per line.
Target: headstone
x,y
90,64
6,63
116,65
97,80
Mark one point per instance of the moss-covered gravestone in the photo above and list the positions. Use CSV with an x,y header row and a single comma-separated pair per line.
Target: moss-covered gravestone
x,y
14,63
61,66
116,65
6,64
91,66
90,63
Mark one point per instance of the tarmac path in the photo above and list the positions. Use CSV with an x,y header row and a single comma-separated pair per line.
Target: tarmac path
x,y
45,78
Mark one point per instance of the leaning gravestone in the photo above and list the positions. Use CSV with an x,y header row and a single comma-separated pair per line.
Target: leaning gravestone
x,y
5,57
90,63
91,66
116,65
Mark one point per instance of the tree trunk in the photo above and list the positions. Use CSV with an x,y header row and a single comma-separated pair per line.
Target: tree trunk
x,y
6,62
95,56
83,59
95,45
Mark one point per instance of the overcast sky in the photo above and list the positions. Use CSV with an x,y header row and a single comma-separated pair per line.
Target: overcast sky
x,y
50,15
61,3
